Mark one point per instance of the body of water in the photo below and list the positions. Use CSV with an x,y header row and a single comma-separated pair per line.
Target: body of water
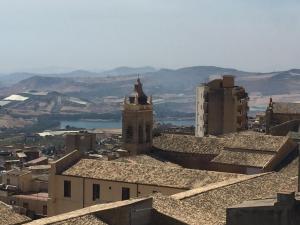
x,y
92,124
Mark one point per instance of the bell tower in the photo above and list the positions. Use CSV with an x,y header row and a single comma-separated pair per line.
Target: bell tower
x,y
137,121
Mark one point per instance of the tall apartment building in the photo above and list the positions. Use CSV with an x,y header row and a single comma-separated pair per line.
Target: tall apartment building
x,y
221,107
137,121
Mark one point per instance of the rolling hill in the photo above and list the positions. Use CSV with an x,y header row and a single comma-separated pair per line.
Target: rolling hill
x,y
172,90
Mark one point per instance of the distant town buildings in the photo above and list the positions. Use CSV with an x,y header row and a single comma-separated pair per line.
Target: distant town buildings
x,y
82,141
26,190
218,176
137,121
221,107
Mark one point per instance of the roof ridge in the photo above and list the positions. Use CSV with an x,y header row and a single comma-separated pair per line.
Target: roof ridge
x,y
134,164
210,187
84,211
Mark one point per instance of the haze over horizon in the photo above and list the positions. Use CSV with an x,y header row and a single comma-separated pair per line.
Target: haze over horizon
x,y
259,36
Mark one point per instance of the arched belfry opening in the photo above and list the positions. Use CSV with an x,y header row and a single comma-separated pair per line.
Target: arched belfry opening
x,y
137,121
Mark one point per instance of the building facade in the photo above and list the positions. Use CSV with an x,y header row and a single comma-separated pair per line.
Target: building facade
x,y
77,182
221,107
137,121
284,210
282,117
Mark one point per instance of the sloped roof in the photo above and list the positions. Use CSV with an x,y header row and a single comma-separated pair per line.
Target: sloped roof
x,y
88,215
82,220
9,217
179,210
214,201
147,160
167,176
254,140
214,145
244,158
189,144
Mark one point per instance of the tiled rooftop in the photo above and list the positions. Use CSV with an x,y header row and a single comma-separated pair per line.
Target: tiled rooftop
x,y
82,220
146,160
214,145
291,169
189,144
244,158
213,202
180,210
145,174
9,217
254,140
88,215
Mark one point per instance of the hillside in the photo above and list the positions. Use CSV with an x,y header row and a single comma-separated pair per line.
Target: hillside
x,y
172,90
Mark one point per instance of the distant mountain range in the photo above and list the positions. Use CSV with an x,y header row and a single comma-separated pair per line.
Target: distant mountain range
x,y
10,79
172,89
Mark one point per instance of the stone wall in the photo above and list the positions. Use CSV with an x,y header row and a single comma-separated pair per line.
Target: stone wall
x,y
187,160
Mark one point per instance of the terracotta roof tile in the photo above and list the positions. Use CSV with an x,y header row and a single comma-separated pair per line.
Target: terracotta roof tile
x,y
168,176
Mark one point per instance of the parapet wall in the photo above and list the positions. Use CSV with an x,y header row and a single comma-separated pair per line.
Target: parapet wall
x,y
65,162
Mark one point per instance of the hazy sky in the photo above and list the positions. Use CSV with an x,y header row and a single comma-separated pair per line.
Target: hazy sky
x,y
253,35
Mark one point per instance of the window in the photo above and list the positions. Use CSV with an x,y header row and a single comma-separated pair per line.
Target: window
x,y
96,192
44,209
8,181
67,188
125,193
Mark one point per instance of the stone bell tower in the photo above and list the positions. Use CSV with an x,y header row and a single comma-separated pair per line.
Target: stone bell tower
x,y
137,121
